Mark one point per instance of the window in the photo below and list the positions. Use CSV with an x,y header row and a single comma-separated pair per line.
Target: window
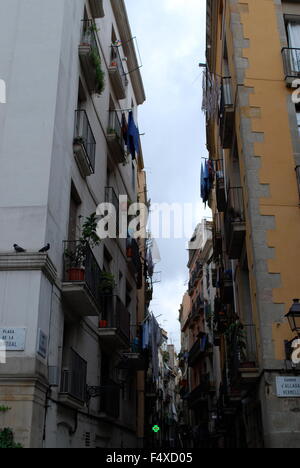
x,y
293,33
293,30
298,116
74,217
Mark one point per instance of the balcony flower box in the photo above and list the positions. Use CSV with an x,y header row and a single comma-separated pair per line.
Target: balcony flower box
x,y
103,324
76,274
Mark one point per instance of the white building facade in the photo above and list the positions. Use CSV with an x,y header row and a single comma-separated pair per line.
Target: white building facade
x,y
62,153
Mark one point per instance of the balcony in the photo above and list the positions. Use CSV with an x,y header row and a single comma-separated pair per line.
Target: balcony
x,y
195,276
235,223
134,261
243,352
96,7
291,64
198,350
90,57
114,330
220,185
115,139
117,73
110,400
134,360
217,236
73,382
84,144
198,308
81,279
226,113
226,287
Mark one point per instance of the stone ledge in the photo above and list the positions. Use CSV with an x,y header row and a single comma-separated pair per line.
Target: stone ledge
x,y
28,262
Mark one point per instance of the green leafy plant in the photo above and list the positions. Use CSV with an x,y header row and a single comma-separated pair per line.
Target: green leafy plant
x,y
100,75
111,131
4,409
107,283
236,339
88,237
7,440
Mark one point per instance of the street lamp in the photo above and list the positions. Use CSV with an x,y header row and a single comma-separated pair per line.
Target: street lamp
x,y
293,317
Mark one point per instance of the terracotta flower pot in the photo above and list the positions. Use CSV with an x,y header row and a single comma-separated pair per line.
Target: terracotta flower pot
x,y
76,274
103,324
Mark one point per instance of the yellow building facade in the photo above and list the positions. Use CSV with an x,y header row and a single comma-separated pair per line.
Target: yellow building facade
x,y
253,138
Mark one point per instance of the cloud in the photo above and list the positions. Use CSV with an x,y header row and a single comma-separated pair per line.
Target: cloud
x,y
167,299
171,37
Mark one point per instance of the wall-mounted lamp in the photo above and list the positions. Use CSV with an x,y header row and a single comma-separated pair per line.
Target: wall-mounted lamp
x,y
293,317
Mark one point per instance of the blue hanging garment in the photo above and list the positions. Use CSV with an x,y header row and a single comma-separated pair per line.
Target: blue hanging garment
x,y
133,143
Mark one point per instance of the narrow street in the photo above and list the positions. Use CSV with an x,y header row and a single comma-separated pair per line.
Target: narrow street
x,y
150,227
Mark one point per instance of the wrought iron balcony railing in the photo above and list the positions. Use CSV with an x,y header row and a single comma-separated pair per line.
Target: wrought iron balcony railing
x,y
220,185
74,377
235,219
198,349
134,258
115,137
115,316
116,61
82,268
217,235
226,113
90,58
84,137
242,350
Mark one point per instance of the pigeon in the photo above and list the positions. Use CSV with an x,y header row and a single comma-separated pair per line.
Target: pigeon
x,y
45,249
19,249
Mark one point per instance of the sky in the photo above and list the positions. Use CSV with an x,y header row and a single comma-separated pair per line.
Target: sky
x,y
171,40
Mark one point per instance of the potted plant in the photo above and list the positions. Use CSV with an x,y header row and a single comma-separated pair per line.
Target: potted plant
x,y
76,256
103,324
107,283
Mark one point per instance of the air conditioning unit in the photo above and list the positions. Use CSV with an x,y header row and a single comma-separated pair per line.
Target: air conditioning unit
x,y
53,376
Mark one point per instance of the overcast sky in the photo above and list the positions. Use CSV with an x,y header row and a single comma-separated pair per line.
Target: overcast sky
x,y
171,39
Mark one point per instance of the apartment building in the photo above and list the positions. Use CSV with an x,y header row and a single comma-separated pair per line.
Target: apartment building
x,y
70,316
200,357
253,143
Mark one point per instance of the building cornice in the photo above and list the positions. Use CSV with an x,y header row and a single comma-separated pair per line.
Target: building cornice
x,y
121,16
28,262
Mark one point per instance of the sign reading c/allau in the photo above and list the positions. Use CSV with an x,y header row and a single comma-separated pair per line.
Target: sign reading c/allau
x,y
288,387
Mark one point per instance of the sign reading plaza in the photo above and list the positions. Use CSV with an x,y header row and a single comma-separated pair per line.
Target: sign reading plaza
x,y
13,338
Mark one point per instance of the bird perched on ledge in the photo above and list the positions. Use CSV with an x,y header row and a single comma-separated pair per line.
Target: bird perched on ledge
x,y
19,249
45,249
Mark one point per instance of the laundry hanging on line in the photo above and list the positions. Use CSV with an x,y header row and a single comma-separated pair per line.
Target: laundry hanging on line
x,y
207,180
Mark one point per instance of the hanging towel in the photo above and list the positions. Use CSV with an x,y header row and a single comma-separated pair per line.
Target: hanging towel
x,y
133,137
